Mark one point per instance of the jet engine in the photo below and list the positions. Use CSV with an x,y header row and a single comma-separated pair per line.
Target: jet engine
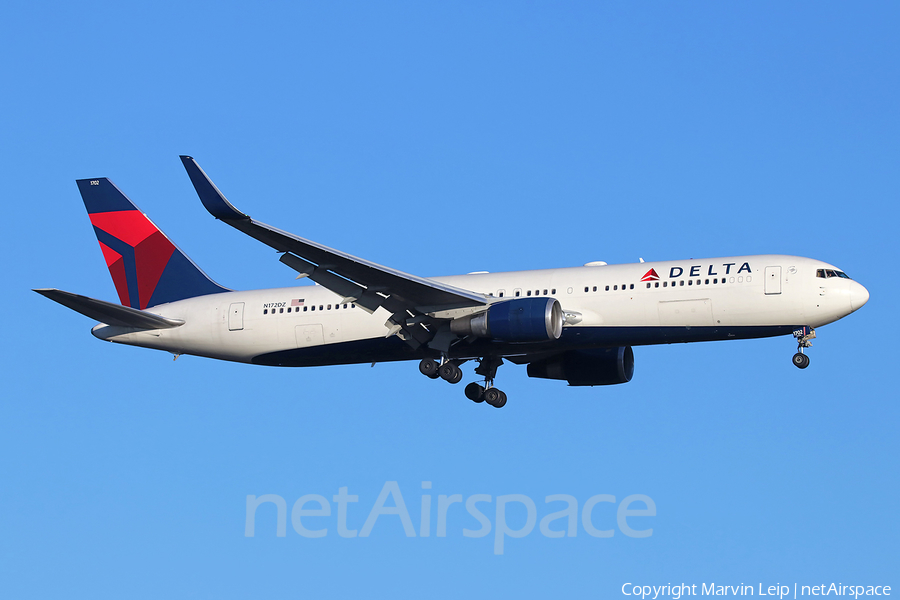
x,y
603,366
519,320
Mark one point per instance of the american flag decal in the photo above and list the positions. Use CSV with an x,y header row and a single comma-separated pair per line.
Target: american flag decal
x,y
297,302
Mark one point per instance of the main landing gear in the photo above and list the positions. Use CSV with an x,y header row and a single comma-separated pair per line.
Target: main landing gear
x,y
450,372
803,335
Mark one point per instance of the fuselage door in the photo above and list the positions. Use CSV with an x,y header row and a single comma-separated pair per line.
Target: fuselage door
x,y
773,280
236,316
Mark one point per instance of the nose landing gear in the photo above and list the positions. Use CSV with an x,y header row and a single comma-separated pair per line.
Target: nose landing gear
x,y
801,361
803,335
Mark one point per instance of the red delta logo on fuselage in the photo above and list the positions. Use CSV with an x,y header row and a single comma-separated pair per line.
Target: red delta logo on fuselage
x,y
650,276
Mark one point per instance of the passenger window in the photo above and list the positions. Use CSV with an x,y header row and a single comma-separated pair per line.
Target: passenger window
x,y
648,285
615,287
314,308
265,311
707,282
587,289
304,308
632,286
500,294
690,282
682,283
607,288
665,284
595,288
528,293
553,291
281,310
289,309
656,284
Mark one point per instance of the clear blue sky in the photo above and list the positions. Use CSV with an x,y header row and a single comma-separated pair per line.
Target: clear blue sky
x,y
441,138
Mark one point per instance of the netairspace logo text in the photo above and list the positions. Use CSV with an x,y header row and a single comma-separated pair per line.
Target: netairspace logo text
x,y
312,516
779,590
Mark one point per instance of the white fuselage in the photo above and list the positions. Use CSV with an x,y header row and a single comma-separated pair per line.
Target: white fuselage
x,y
731,297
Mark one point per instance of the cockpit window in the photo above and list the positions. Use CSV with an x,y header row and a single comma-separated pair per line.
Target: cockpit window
x,y
827,273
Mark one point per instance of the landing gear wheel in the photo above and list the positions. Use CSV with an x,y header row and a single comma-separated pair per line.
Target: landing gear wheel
x,y
801,361
450,373
495,397
429,368
475,392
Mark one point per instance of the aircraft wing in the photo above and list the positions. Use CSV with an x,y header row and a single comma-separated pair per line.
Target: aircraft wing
x,y
109,313
367,284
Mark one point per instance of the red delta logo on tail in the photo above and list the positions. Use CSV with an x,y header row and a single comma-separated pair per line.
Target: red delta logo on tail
x,y
146,267
150,251
650,276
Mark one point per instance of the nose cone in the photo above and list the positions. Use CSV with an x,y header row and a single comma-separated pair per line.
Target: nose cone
x,y
858,295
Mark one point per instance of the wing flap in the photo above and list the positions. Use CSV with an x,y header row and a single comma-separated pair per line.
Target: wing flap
x,y
109,313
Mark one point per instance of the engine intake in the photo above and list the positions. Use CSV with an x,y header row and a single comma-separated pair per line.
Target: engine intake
x,y
604,366
519,320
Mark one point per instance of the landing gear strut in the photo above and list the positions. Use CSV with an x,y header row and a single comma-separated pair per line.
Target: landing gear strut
x,y
803,335
487,368
449,371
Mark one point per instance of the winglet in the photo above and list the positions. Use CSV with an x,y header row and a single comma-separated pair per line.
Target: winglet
x,y
213,200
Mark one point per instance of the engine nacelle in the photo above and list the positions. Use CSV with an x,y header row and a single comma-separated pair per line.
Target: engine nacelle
x,y
604,366
519,320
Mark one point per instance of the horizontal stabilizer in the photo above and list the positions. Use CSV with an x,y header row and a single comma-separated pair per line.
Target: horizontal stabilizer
x,y
109,313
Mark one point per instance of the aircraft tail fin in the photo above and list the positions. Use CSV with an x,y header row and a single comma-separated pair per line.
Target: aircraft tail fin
x,y
146,267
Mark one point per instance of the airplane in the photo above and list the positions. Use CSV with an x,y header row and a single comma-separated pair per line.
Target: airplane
x,y
575,324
